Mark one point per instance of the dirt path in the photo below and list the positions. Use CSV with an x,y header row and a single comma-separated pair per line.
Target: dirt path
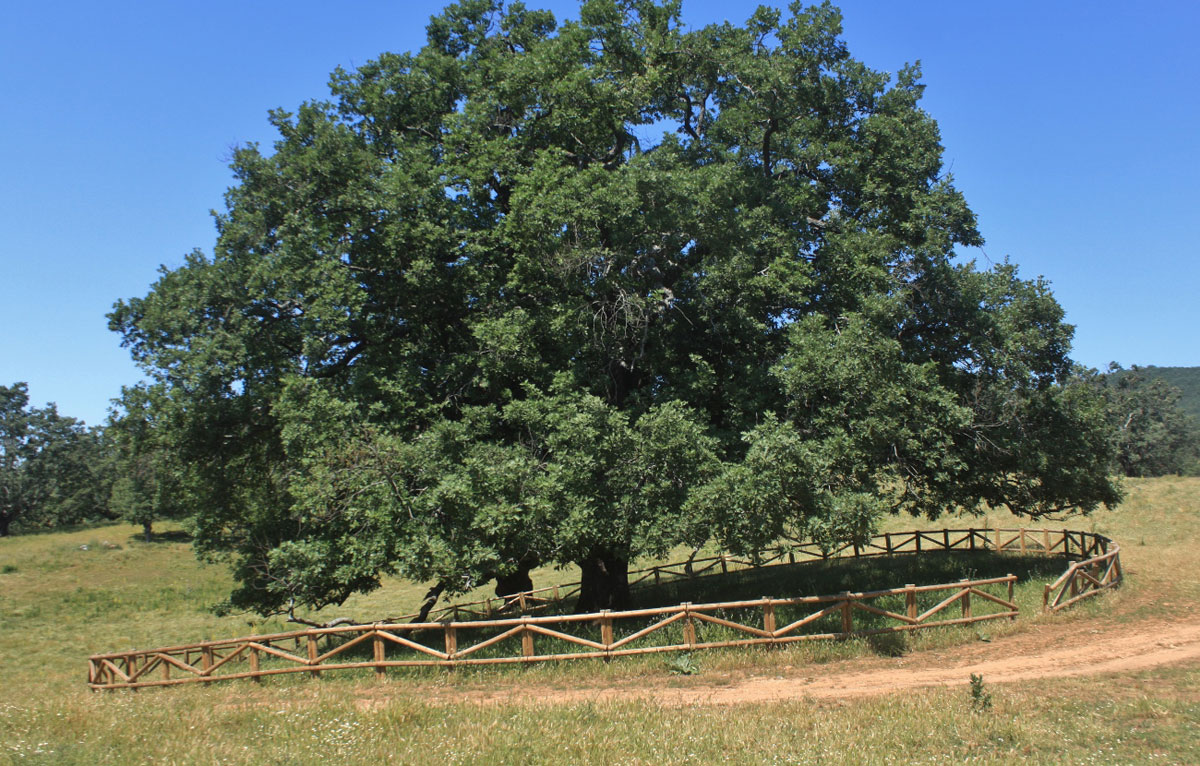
x,y
1128,651
1076,650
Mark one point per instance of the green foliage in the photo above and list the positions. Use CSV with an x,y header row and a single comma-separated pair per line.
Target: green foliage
x,y
981,698
1185,379
471,315
683,664
52,469
1154,435
146,487
459,505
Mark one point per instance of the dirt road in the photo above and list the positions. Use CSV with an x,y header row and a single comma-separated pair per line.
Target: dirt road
x,y
1073,650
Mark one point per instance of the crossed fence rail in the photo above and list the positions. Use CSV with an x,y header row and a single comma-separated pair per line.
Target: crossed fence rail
x,y
450,642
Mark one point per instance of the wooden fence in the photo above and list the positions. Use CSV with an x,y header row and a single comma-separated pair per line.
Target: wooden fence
x,y
603,635
1099,571
1065,543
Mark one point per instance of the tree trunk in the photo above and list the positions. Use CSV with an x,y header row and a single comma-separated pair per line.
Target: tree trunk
x,y
146,529
604,583
430,599
516,582
5,520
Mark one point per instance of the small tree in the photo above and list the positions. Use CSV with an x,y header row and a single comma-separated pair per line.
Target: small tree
x,y
145,486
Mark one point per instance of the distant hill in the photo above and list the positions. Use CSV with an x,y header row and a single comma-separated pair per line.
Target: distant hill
x,y
1186,379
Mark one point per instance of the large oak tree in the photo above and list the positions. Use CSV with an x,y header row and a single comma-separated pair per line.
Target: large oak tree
x,y
579,293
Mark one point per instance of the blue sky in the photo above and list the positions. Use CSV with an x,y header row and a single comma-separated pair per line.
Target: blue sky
x,y
1072,128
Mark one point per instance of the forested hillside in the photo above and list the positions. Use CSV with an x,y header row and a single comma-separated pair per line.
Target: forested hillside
x,y
1186,379
1154,420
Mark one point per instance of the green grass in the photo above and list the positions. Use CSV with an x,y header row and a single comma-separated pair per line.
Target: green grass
x,y
61,603
1151,718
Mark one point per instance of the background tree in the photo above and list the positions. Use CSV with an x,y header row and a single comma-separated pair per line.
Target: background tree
x,y
145,488
573,294
1185,379
52,469
1154,435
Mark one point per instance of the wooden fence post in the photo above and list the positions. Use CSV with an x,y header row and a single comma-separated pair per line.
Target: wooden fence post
x,y
847,616
252,655
769,618
971,538
946,539
689,627
206,659
379,652
606,634
887,542
910,601
1022,541
312,653
966,600
526,638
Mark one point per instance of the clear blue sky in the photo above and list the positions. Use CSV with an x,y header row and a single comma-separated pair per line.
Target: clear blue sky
x,y
1072,128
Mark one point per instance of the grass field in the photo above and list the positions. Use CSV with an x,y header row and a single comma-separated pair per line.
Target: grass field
x,y
60,602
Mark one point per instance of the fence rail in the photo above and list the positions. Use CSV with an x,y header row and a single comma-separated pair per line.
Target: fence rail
x,y
526,638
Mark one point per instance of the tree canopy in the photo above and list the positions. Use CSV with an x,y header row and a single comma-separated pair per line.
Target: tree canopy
x,y
145,487
576,293
1155,435
52,468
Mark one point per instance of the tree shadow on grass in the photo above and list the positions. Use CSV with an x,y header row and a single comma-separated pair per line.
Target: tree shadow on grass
x,y
889,644
822,578
170,536
812,578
